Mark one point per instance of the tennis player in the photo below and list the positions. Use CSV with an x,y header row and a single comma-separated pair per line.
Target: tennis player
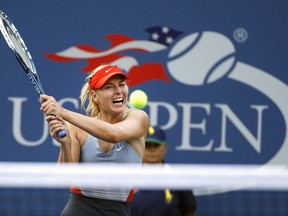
x,y
110,132
161,202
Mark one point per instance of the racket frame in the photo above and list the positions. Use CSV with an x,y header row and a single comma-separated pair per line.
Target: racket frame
x,y
7,28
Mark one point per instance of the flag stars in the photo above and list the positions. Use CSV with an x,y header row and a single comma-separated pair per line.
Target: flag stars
x,y
169,40
165,30
155,36
163,34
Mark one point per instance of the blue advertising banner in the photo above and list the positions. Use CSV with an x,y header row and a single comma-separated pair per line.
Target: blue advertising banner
x,y
215,73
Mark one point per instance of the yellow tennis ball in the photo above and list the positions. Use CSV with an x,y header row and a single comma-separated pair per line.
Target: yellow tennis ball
x,y
138,99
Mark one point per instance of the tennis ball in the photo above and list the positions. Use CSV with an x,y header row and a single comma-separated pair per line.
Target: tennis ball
x,y
138,99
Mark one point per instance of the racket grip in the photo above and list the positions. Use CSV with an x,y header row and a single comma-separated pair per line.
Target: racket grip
x,y
62,133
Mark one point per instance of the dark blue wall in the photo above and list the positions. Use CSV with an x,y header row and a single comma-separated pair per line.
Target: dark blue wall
x,y
218,85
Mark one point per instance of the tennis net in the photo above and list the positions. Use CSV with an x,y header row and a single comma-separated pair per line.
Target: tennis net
x,y
43,188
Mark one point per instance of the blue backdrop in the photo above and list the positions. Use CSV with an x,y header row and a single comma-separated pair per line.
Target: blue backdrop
x,y
215,73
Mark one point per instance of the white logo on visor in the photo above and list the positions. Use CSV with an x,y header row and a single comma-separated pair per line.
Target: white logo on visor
x,y
106,71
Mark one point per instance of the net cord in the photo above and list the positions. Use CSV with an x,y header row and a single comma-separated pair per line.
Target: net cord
x,y
181,176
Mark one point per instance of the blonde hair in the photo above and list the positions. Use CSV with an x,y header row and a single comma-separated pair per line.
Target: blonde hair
x,y
92,109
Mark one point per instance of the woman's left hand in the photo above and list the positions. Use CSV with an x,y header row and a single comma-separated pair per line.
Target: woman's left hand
x,y
50,106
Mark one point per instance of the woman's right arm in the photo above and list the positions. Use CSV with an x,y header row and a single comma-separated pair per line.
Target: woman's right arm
x,y
69,152
69,145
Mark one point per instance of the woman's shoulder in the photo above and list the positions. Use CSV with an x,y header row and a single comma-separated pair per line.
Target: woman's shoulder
x,y
139,115
138,112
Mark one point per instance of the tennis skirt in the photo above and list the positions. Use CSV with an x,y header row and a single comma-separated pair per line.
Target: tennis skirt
x,y
79,205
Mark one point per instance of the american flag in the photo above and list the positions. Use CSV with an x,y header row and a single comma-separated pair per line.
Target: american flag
x,y
160,38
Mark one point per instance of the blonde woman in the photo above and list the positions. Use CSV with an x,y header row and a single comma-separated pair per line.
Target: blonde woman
x,y
110,132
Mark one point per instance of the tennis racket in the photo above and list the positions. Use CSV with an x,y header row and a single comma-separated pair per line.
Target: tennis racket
x,y
16,43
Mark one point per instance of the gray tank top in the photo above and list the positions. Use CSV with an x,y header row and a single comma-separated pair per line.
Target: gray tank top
x,y
121,152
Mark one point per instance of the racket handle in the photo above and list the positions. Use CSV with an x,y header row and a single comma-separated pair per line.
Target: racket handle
x,y
62,133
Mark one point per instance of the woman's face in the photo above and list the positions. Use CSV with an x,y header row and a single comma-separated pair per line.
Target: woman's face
x,y
112,95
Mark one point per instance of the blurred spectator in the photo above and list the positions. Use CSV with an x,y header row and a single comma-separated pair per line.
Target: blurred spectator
x,y
161,202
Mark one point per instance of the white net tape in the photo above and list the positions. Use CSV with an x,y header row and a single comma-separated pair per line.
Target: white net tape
x,y
201,178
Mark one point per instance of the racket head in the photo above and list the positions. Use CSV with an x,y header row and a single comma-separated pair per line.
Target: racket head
x,y
19,48
15,41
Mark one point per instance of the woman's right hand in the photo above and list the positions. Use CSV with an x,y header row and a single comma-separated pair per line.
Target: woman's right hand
x,y
56,124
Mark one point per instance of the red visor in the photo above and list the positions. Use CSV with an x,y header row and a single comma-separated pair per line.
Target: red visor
x,y
101,76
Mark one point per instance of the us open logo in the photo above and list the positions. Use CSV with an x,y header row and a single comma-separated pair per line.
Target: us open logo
x,y
197,60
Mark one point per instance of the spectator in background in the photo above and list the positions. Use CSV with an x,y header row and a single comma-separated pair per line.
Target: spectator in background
x,y
161,202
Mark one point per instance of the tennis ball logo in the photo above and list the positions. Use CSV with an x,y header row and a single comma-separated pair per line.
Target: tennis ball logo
x,y
138,99
200,59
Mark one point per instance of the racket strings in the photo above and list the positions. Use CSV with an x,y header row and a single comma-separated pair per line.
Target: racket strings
x,y
17,44
20,48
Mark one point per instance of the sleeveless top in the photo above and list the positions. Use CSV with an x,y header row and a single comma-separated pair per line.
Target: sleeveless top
x,y
121,152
